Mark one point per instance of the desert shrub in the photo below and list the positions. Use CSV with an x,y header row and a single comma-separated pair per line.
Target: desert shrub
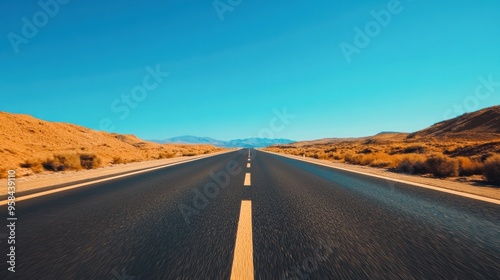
x,y
491,169
412,165
311,154
321,155
171,155
61,162
189,154
366,151
359,159
367,159
89,161
337,156
469,167
415,149
442,166
50,164
34,165
381,163
352,158
117,160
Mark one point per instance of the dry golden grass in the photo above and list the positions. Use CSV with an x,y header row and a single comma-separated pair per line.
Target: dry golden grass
x,y
32,144
428,156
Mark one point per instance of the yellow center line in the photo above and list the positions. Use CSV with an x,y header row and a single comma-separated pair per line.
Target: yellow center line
x,y
248,165
243,250
247,180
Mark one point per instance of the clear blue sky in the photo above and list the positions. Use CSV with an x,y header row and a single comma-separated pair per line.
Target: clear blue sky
x,y
228,71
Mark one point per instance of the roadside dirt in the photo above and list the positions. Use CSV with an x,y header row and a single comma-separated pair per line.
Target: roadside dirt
x,y
471,185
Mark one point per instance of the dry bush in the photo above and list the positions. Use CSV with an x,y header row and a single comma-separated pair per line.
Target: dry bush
x,y
381,163
61,162
492,169
412,165
352,158
171,155
415,149
89,161
469,167
442,166
367,159
337,156
321,155
310,154
34,165
376,160
366,151
168,155
384,160
117,160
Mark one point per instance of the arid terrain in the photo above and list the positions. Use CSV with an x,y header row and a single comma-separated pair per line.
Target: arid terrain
x,y
31,145
466,148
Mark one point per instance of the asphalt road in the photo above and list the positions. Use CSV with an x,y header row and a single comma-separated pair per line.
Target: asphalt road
x,y
307,222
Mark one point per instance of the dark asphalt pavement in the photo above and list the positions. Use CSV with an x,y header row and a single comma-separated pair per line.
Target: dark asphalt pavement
x,y
309,222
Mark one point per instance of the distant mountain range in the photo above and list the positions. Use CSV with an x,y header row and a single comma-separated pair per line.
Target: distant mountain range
x,y
237,143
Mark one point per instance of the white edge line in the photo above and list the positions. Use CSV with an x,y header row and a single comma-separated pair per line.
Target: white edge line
x,y
463,194
26,197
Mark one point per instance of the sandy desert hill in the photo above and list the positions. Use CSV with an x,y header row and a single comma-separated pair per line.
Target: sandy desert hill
x,y
480,125
25,138
384,137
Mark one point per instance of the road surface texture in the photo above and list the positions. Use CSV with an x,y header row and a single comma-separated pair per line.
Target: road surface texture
x,y
253,215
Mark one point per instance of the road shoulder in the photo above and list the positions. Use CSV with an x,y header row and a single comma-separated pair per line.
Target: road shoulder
x,y
482,191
